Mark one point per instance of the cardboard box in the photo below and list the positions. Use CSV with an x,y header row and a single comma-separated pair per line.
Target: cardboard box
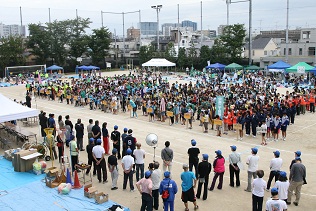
x,y
101,197
90,191
19,164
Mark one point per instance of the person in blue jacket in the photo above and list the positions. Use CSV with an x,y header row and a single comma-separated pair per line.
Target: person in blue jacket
x,y
171,185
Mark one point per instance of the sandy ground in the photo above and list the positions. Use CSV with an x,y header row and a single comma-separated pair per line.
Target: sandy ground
x,y
300,137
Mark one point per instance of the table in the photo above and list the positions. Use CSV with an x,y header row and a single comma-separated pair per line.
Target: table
x,y
83,171
16,130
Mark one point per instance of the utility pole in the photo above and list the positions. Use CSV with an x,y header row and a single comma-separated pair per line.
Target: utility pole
x,y
157,8
102,18
179,36
49,20
250,32
227,4
21,16
287,33
140,30
201,23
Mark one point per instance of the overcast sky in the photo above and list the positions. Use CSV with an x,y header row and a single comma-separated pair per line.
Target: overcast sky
x,y
267,14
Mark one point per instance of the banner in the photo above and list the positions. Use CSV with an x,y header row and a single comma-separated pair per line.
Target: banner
x,y
219,106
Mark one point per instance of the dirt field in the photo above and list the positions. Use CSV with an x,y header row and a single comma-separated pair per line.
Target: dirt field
x,y
300,137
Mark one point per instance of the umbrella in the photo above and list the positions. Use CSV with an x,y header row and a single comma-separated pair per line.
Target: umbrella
x,y
216,66
234,66
300,67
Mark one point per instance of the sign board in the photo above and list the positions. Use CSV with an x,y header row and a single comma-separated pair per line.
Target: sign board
x,y
149,110
187,115
108,65
260,130
129,107
75,97
68,97
218,122
219,106
237,126
300,69
169,114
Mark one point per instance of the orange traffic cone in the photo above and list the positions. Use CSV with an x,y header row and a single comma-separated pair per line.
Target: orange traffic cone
x,y
76,181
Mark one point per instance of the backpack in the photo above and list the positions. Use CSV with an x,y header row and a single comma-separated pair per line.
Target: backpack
x,y
165,194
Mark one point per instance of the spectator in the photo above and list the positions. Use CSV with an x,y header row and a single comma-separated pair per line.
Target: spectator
x,y
171,186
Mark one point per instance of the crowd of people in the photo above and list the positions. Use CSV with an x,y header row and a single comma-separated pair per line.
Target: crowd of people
x,y
156,181
253,104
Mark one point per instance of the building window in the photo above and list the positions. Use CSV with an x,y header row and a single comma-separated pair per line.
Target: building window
x,y
284,51
290,51
300,51
253,52
311,51
265,53
306,35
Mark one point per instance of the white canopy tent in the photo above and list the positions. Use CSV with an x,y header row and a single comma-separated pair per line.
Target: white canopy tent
x,y
11,110
158,63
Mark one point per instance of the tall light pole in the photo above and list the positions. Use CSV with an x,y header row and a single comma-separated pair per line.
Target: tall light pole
x,y
157,8
287,33
227,3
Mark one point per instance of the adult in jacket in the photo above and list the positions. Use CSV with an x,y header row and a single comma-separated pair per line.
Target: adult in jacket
x,y
219,169
171,186
204,169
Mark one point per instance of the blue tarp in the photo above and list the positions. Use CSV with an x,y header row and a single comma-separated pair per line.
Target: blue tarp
x,y
216,66
54,67
27,191
279,65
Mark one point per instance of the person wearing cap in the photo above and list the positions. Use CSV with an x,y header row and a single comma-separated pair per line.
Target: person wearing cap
x,y
193,153
234,161
284,123
188,184
258,185
74,152
155,177
275,203
115,137
127,165
219,169
298,153
171,186
98,156
204,169
96,131
167,157
91,160
112,165
139,155
252,162
282,185
275,168
297,179
144,187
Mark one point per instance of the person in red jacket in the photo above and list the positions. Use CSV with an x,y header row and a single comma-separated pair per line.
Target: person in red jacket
x,y
219,169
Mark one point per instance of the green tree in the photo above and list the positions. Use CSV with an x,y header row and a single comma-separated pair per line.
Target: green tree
x,y
192,55
146,53
11,51
98,44
218,52
233,39
181,58
170,53
60,35
78,38
205,55
39,43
